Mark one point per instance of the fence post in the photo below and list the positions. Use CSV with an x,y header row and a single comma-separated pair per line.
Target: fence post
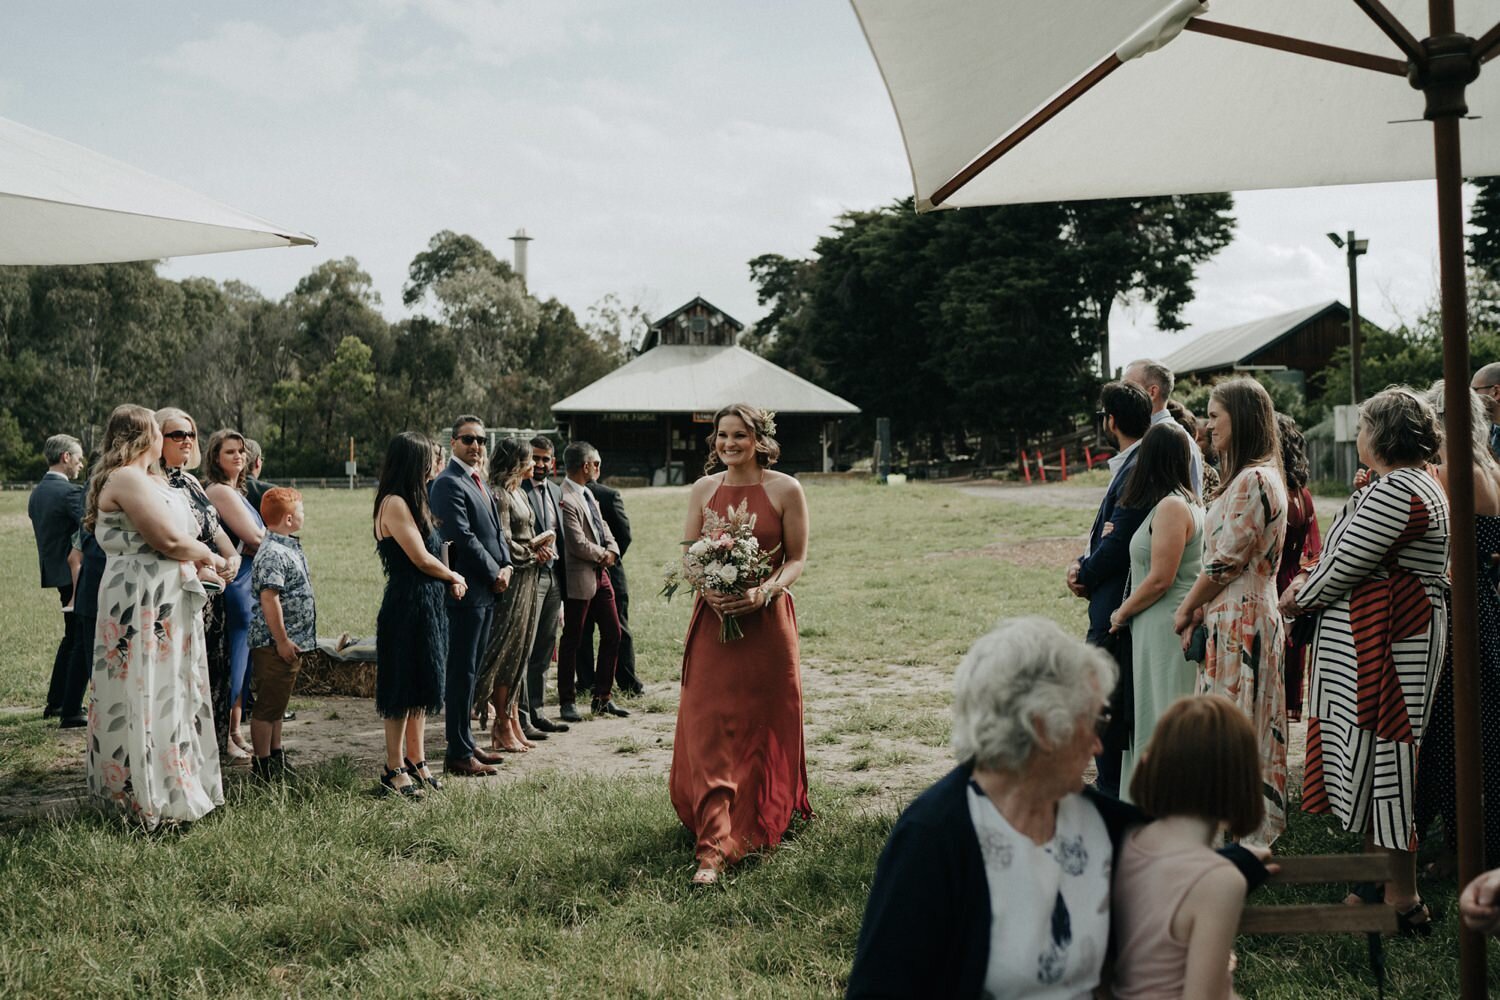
x,y
1025,467
1062,457
1088,459
1041,467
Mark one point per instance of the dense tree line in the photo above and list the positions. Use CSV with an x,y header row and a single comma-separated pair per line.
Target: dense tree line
x,y
302,374
983,326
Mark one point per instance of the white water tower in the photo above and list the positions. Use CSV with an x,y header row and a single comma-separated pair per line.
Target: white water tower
x,y
520,240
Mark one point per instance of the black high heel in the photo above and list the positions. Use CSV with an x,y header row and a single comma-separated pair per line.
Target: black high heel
x,y
1406,926
389,787
415,770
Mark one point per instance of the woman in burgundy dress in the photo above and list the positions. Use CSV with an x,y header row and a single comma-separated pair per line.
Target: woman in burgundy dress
x,y
1301,548
738,770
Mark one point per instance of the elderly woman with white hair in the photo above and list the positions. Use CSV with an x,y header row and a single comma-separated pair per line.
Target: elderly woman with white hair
x,y
995,881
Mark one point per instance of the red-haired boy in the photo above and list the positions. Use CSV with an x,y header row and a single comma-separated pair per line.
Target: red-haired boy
x,y
283,623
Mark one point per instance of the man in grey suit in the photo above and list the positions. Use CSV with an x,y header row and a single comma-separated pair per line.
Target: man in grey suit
x,y
546,503
56,511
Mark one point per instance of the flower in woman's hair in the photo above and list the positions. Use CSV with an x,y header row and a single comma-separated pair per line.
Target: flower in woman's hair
x,y
768,423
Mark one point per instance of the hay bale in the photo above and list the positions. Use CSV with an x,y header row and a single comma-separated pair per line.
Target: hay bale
x,y
330,670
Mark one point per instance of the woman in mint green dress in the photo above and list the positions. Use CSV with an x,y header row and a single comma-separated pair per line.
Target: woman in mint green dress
x,y
1166,556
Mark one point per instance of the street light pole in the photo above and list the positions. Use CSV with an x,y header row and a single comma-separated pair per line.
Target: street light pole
x,y
1354,249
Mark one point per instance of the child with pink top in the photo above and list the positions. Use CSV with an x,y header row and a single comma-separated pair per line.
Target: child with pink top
x,y
1177,902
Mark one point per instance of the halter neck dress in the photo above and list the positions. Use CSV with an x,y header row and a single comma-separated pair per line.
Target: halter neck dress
x,y
738,766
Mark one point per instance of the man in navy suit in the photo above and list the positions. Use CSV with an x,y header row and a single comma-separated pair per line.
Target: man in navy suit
x,y
1100,573
56,511
469,522
545,497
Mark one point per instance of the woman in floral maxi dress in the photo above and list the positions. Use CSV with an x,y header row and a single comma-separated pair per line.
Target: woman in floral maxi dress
x,y
1235,597
151,740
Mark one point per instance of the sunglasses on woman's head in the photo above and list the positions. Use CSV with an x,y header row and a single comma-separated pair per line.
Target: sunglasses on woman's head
x,y
180,435
471,439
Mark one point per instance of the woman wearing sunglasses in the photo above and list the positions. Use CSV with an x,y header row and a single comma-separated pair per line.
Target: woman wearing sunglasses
x,y
179,454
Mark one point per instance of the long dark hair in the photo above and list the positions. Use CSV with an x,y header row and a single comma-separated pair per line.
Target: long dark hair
x,y
1293,453
404,474
1163,466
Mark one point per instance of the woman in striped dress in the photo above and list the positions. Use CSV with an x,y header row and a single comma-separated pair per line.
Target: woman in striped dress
x,y
1382,589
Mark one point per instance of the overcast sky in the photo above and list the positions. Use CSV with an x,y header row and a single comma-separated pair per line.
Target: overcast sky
x,y
651,147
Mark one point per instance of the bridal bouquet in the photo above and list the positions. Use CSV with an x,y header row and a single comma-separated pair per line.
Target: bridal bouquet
x,y
726,559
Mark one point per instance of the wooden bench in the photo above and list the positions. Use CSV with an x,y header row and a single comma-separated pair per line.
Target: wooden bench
x,y
1376,921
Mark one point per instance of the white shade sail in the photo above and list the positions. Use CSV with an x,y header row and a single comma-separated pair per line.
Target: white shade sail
x,y
63,204
1202,113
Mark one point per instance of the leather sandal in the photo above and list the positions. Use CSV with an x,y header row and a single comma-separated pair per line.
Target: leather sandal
x,y
1416,921
388,784
421,775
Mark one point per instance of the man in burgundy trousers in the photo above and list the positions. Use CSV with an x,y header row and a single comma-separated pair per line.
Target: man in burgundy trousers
x,y
591,550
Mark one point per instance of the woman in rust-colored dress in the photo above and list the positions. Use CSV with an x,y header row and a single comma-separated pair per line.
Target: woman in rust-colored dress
x,y
738,770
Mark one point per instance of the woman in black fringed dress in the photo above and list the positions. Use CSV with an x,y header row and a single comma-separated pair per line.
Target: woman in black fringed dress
x,y
1436,795
411,630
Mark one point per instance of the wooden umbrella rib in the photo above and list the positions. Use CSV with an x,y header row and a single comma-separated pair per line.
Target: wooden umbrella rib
x,y
1393,28
1488,46
1298,46
1018,135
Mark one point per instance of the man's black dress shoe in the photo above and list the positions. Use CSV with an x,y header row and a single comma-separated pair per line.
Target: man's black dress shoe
x,y
569,712
608,707
73,722
51,713
534,735
546,725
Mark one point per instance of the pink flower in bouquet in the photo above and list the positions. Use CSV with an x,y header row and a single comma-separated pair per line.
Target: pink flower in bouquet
x,y
725,559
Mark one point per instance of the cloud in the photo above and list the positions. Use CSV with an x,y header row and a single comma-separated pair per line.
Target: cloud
x,y
255,61
500,32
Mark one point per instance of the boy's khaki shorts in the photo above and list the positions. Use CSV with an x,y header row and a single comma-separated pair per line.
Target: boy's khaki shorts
x,y
271,680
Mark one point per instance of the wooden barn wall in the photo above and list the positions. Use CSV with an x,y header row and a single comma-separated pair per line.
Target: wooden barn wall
x,y
1309,349
636,444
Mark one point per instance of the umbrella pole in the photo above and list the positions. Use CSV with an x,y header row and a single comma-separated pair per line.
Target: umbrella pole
x,y
1460,454
1446,108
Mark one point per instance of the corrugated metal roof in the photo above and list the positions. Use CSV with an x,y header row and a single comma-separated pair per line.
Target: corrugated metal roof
x,y
697,379
1234,345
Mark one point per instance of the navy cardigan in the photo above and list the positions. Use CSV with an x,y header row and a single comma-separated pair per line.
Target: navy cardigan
x,y
926,931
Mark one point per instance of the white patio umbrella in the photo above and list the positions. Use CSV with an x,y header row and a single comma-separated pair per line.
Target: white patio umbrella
x,y
1005,101
63,204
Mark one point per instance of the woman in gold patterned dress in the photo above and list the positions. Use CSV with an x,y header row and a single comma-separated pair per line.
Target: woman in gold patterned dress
x,y
1235,598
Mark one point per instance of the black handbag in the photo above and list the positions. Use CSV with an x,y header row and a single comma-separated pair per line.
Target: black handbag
x,y
1197,647
1304,627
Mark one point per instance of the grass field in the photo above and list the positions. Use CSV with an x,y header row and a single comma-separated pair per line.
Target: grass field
x,y
563,883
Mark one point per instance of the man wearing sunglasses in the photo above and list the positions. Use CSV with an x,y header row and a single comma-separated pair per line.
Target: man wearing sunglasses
x,y
469,521
1487,383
